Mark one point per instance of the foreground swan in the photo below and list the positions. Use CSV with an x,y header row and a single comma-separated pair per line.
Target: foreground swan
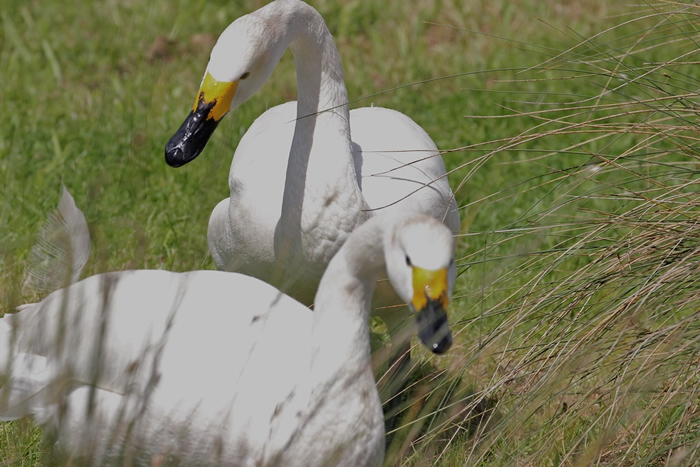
x,y
220,368
299,183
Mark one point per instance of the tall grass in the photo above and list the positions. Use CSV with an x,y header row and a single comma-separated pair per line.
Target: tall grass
x,y
573,128
583,349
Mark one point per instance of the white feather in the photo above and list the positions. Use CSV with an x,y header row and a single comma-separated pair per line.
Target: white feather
x,y
62,248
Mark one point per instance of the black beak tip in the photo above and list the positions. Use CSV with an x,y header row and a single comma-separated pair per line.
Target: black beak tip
x,y
174,156
442,346
189,140
434,329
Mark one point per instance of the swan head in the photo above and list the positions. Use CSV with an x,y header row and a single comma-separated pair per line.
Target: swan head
x,y
421,267
240,63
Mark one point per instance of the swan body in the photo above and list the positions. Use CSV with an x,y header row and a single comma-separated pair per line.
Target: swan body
x,y
219,368
242,227
306,173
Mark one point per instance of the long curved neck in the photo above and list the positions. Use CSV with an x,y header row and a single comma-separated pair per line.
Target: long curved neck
x,y
322,128
341,339
320,80
343,401
321,179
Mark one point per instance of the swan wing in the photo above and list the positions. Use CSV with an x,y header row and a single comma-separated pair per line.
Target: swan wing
x,y
62,248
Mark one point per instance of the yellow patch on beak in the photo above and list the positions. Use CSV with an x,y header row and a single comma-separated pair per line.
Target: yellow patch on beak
x,y
429,285
218,92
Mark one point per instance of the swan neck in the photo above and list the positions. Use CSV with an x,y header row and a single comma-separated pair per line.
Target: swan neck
x,y
343,301
320,80
322,198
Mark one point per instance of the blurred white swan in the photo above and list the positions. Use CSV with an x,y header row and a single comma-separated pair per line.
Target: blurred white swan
x,y
220,368
306,173
62,248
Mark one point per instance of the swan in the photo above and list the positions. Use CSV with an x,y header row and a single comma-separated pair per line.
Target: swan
x,y
306,173
219,368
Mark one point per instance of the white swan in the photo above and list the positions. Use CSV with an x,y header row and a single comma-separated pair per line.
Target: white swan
x,y
220,368
300,182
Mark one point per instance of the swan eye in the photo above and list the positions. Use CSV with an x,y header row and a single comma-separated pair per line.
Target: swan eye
x,y
245,75
408,261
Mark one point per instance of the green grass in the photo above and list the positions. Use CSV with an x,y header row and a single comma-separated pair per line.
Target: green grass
x,y
571,130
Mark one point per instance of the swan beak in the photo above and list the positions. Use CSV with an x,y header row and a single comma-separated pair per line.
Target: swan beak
x,y
213,102
430,300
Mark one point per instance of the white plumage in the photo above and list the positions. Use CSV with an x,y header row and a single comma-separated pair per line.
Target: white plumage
x,y
218,368
306,173
62,249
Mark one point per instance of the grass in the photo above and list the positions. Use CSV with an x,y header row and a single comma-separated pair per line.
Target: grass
x,y
571,138
588,341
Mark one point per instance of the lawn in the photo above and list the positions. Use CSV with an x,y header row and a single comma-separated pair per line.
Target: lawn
x,y
570,132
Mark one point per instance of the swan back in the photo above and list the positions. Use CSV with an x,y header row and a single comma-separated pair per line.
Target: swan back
x,y
402,169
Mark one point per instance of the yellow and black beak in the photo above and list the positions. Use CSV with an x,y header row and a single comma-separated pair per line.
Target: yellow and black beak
x,y
213,102
430,302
